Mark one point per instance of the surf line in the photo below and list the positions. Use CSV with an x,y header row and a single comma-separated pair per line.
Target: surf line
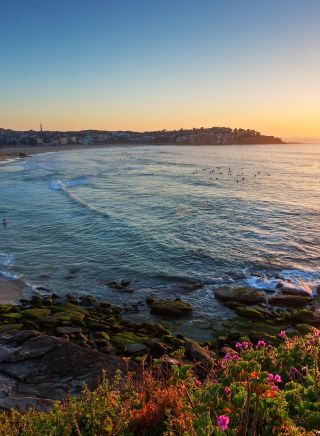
x,y
60,186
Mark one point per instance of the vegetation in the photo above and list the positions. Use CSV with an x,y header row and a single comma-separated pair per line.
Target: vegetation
x,y
251,390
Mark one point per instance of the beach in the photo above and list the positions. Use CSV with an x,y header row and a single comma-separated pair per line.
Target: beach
x,y
10,290
22,151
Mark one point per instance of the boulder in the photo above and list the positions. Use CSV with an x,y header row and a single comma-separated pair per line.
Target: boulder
x,y
38,366
289,300
196,353
68,330
295,291
250,312
171,308
239,294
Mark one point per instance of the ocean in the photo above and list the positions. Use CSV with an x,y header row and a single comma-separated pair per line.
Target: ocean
x,y
164,217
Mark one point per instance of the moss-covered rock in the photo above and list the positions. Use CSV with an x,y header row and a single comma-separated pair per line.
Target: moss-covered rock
x,y
36,313
125,338
12,315
10,328
68,307
4,308
250,312
63,318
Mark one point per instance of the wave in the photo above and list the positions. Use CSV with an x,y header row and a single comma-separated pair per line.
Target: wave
x,y
59,185
302,279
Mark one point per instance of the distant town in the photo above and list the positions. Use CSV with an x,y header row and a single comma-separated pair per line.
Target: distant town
x,y
195,136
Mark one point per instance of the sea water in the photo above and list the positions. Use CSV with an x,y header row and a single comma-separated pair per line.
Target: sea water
x,y
163,217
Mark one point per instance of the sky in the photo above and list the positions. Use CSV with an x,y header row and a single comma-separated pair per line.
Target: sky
x,y
161,64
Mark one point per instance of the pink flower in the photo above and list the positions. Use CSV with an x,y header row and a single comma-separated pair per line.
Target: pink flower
x,y
227,391
282,334
198,383
271,377
275,388
238,345
277,378
227,356
223,422
214,381
261,344
235,357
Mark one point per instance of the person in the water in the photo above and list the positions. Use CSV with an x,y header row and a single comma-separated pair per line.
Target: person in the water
x,y
4,221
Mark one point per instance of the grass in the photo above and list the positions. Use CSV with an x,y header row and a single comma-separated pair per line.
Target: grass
x,y
253,389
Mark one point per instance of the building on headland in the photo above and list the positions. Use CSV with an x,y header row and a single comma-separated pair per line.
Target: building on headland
x,y
195,136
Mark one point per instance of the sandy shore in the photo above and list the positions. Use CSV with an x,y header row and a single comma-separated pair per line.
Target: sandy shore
x,y
10,290
21,151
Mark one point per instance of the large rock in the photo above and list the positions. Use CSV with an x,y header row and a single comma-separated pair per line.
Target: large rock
x,y
196,353
289,300
38,366
172,308
240,294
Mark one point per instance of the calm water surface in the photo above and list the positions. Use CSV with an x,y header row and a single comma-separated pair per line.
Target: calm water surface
x,y
163,216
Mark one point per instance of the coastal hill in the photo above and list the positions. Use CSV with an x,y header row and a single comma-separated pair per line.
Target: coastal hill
x,y
195,136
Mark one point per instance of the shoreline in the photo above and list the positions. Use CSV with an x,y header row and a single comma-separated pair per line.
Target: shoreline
x,y
11,290
13,152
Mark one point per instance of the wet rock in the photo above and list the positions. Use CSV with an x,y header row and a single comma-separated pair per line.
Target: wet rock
x,y
289,300
171,308
240,294
72,298
294,291
89,300
105,304
250,312
150,300
124,285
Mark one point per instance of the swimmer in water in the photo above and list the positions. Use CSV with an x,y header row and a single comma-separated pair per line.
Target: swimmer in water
x,y
4,221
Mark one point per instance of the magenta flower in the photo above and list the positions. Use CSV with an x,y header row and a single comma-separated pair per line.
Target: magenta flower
x,y
282,334
198,383
227,391
235,357
261,344
277,378
227,356
238,345
293,370
214,381
223,422
271,377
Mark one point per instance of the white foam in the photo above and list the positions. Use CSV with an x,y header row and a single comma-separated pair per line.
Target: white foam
x,y
302,279
9,276
7,259
262,282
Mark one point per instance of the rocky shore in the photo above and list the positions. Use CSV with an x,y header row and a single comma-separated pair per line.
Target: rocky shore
x,y
50,347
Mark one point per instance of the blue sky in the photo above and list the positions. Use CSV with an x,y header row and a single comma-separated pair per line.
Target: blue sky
x,y
161,64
